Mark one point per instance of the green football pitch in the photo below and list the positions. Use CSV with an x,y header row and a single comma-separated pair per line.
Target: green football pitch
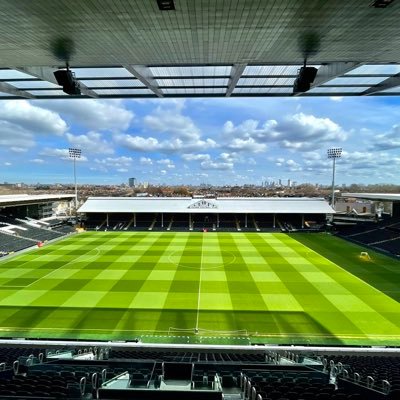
x,y
201,288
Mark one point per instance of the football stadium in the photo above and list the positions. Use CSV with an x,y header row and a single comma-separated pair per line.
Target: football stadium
x,y
203,298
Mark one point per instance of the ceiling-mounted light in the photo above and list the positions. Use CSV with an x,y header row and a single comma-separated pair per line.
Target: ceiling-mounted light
x,y
381,3
305,78
166,5
66,79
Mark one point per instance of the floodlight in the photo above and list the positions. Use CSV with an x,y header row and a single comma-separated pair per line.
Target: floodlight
x,y
334,153
74,154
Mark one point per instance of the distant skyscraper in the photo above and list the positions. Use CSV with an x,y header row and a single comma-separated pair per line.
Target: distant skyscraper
x,y
131,182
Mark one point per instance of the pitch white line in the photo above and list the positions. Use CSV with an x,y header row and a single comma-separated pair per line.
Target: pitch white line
x,y
198,295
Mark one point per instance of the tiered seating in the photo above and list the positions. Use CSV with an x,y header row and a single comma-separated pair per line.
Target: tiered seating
x,y
383,235
10,243
379,368
195,375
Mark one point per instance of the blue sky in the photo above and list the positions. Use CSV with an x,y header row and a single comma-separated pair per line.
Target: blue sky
x,y
203,140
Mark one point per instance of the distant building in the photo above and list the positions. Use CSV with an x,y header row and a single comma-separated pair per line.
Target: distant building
x,y
131,182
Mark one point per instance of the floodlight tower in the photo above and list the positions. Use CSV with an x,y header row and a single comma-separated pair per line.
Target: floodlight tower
x,y
334,153
74,154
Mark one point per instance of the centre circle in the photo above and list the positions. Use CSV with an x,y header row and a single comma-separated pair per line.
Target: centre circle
x,y
228,258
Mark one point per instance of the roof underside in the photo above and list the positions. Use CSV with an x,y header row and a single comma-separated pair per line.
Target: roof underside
x,y
202,48
205,206
24,199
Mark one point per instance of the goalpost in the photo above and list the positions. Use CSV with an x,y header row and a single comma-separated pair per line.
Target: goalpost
x,y
365,256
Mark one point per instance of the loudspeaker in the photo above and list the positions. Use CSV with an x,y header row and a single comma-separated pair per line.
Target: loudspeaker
x,y
66,79
304,79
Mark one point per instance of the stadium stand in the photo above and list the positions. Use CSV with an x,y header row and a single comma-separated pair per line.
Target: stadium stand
x,y
10,243
381,235
122,373
17,234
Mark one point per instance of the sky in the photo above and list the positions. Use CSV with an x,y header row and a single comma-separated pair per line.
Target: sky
x,y
219,141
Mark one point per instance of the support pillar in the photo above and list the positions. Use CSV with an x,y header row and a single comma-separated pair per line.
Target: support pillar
x,y
217,220
245,220
274,223
107,220
302,221
134,220
162,220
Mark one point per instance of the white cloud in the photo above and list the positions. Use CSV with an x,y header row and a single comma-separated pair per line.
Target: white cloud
x,y
302,132
247,145
31,118
7,164
15,149
93,113
218,165
195,157
151,144
388,140
92,142
336,98
37,161
146,161
121,164
172,122
16,139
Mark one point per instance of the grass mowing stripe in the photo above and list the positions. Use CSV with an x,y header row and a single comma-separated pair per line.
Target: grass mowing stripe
x,y
301,289
179,311
383,272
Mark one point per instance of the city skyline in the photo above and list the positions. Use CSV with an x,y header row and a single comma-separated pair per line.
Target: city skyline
x,y
204,140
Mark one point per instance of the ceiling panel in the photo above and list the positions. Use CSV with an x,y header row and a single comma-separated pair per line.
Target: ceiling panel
x,y
112,83
266,81
135,92
337,90
193,82
350,81
256,90
47,93
271,69
13,74
101,73
390,69
34,84
195,91
191,71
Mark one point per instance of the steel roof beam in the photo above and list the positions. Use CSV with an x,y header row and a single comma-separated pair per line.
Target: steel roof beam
x,y
47,74
328,72
144,75
388,83
236,73
9,89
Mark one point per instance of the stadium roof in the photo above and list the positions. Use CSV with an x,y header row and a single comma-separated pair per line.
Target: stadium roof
x,y
25,199
373,196
201,48
223,205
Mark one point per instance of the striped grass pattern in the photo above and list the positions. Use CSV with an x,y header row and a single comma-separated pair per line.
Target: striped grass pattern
x,y
266,287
